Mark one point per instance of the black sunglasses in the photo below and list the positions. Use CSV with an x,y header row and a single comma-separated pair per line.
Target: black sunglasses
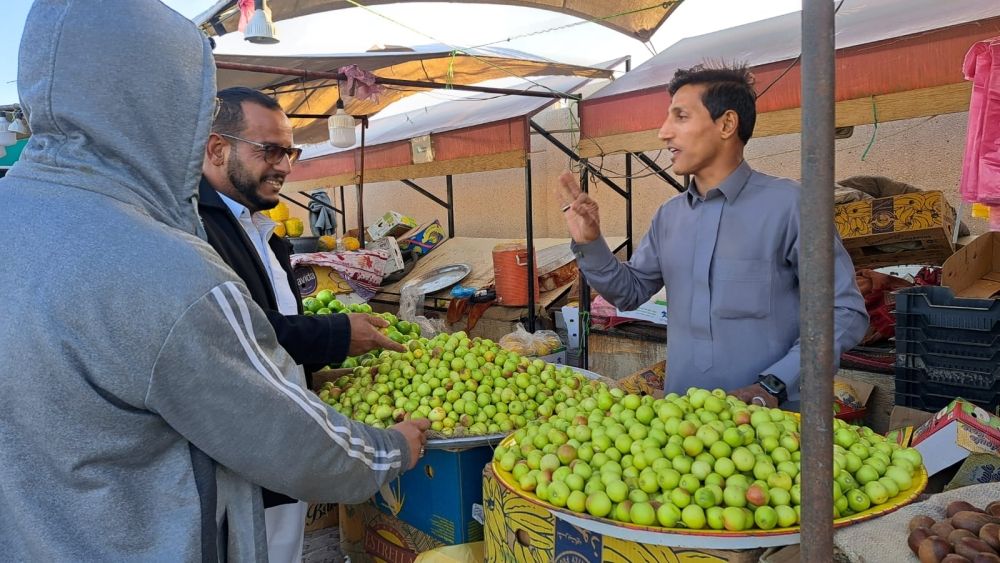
x,y
273,154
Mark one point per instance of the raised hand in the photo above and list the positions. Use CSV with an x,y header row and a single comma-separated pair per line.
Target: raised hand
x,y
582,215
365,335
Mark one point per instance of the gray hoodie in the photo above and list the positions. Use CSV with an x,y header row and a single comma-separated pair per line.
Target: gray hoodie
x,y
143,396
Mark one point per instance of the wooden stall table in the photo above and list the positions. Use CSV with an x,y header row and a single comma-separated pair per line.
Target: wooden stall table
x,y
478,254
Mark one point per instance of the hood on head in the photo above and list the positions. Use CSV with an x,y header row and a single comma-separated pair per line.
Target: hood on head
x,y
119,96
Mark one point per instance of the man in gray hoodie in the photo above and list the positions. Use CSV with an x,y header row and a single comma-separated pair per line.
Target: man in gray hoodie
x,y
144,399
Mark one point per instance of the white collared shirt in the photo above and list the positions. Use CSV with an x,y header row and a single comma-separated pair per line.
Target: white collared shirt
x,y
259,229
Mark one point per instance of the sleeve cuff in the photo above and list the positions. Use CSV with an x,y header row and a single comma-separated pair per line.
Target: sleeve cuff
x,y
592,255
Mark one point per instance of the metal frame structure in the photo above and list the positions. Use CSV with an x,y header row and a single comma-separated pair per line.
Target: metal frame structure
x,y
312,74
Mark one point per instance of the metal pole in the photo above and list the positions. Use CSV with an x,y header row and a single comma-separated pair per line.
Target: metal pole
x,y
425,193
628,190
816,277
628,206
529,228
323,203
576,158
343,205
584,309
660,171
309,74
286,198
361,187
451,206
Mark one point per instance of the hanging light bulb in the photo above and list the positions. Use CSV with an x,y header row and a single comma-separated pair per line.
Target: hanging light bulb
x,y
18,126
260,29
7,138
341,126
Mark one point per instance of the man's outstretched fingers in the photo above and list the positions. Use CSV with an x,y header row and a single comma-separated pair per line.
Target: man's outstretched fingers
x,y
570,187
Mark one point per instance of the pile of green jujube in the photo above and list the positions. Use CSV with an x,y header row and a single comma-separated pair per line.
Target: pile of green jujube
x,y
703,460
465,387
326,303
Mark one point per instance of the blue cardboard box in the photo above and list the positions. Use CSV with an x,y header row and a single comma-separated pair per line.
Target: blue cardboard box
x,y
437,496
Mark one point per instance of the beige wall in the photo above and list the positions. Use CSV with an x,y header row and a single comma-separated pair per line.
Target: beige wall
x,y
925,152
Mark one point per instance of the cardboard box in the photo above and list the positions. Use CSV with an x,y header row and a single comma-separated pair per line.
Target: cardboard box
x,y
556,267
902,422
321,516
913,228
463,553
519,530
557,356
954,432
422,239
974,271
654,310
437,496
369,535
392,224
391,247
648,381
313,279
851,398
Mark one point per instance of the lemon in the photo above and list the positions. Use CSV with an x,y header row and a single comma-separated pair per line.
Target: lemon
x,y
327,243
294,227
279,229
280,212
351,243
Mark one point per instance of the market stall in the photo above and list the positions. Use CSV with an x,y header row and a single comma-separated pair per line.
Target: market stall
x,y
590,472
463,137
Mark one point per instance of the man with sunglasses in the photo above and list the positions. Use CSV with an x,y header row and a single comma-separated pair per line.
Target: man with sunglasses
x,y
247,157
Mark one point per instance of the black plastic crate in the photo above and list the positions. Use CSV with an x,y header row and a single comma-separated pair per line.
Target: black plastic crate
x,y
937,313
946,347
916,389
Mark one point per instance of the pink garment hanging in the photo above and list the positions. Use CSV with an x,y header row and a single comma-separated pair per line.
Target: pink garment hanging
x,y
981,163
246,12
989,157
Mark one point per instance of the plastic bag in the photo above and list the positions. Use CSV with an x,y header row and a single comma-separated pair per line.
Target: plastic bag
x,y
429,328
540,343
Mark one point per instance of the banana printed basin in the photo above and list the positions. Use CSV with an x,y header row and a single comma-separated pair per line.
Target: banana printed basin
x,y
703,538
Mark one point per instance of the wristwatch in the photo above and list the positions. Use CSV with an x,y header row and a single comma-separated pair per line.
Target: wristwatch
x,y
774,386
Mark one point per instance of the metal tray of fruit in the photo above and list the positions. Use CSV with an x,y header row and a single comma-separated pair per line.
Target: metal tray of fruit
x,y
464,442
468,442
703,538
437,279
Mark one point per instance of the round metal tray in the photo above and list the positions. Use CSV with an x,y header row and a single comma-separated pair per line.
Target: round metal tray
x,y
437,279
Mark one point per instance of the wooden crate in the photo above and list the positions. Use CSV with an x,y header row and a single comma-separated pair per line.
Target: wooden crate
x,y
914,228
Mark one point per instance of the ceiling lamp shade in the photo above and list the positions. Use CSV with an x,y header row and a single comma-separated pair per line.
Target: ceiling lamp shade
x,y
341,126
7,138
18,126
260,29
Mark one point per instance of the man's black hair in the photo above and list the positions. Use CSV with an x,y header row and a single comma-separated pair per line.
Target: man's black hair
x,y
230,120
726,89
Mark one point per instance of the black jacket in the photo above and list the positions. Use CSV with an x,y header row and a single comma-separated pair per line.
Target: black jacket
x,y
312,341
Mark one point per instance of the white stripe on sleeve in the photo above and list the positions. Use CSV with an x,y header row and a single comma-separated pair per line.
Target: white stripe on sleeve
x,y
340,435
